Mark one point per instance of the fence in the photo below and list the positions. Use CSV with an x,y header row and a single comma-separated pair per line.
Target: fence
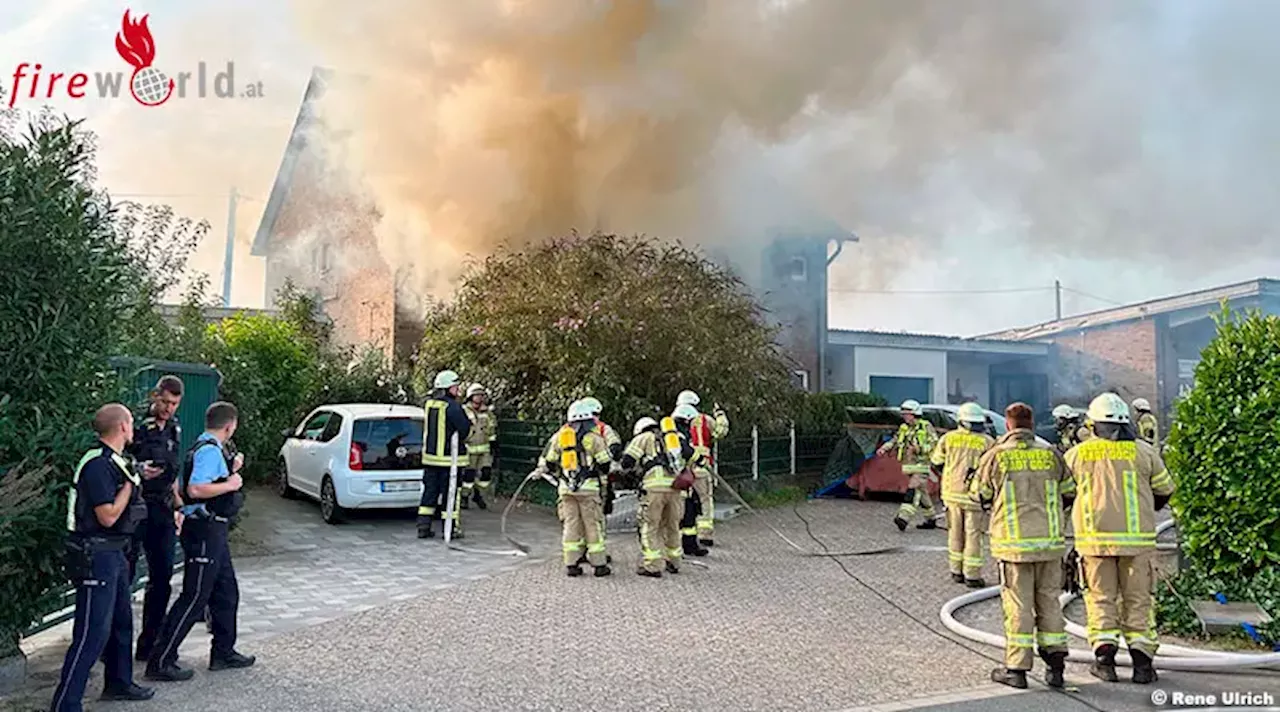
x,y
138,377
751,455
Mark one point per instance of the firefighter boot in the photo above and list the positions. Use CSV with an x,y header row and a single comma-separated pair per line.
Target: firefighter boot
x,y
707,542
480,500
464,502
425,531
957,578
975,583
1057,663
1144,673
1012,678
930,523
573,571
1104,663
691,547
650,574
900,523
602,571
672,568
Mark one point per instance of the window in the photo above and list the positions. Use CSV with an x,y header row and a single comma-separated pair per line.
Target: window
x,y
800,379
388,443
315,426
799,269
331,428
896,389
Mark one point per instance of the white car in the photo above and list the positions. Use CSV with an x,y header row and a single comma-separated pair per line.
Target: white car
x,y
354,456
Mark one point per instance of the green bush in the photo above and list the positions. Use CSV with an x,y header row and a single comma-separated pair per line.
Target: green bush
x,y
629,320
1224,451
827,412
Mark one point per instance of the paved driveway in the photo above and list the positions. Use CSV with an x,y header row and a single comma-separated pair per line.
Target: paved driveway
x,y
759,629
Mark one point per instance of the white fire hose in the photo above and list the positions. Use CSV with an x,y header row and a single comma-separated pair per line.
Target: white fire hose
x,y
451,501
1171,657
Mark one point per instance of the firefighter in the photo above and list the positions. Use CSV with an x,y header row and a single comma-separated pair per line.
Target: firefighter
x,y
1027,486
704,431
1148,426
1069,424
614,443
957,453
682,418
661,505
914,442
444,419
582,459
1122,484
477,479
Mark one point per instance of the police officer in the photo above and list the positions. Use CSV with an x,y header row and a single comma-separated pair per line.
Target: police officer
x,y
156,445
211,489
102,513
444,419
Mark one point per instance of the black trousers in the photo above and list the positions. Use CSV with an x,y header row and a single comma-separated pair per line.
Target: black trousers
x,y
103,628
208,579
435,497
156,538
692,507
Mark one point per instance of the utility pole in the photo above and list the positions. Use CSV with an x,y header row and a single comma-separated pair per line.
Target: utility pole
x,y
231,248
1057,299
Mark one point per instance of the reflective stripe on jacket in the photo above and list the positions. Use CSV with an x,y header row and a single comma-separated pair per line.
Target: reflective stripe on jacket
x,y
563,453
957,452
646,449
1149,428
443,418
914,443
704,431
1025,482
483,429
1116,483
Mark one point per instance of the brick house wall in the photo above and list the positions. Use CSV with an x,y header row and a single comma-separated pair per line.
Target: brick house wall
x,y
1123,358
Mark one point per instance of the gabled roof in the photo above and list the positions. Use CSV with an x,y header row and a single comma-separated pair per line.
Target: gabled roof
x,y
297,144
1141,310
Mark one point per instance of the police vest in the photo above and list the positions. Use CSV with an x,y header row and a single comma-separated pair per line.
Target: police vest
x,y
128,521
226,505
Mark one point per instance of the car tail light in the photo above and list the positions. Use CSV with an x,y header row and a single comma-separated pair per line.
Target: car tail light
x,y
356,459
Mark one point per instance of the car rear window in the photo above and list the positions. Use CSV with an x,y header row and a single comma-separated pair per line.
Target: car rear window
x,y
388,443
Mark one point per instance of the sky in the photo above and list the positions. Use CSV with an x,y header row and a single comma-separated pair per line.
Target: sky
x,y
969,268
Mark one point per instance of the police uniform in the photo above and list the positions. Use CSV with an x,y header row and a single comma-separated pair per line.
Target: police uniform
x,y
477,479
97,566
1026,482
156,537
444,418
208,577
957,453
704,431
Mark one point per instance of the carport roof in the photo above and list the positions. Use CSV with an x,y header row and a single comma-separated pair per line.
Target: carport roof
x,y
936,342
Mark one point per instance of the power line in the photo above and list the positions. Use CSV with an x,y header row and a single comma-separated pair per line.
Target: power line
x,y
1093,296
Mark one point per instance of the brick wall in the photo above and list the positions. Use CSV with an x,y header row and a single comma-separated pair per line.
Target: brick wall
x,y
1120,358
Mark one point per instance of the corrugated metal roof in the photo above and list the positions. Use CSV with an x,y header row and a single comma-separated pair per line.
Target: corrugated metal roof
x,y
1140,310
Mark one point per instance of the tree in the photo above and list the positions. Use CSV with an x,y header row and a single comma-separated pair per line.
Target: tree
x,y
1224,451
632,321
67,279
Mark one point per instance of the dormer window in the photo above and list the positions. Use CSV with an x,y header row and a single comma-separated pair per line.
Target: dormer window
x,y
798,269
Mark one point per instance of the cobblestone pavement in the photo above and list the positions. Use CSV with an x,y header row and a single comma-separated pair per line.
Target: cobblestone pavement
x,y
758,629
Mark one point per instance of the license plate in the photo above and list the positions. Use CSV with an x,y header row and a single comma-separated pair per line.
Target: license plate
x,y
399,486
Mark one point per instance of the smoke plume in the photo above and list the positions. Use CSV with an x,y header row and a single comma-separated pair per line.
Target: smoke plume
x,y
1075,128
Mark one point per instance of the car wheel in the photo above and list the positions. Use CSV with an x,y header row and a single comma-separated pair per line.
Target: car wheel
x,y
283,488
330,510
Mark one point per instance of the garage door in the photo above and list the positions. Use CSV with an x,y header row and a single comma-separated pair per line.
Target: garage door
x,y
896,389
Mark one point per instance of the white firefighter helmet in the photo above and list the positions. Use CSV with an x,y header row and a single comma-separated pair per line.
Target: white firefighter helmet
x,y
688,398
644,424
592,405
911,406
578,411
475,388
1108,408
446,379
1064,412
971,413
684,412
1141,404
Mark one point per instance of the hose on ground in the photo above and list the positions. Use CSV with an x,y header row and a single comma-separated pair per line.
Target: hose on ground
x,y
1172,657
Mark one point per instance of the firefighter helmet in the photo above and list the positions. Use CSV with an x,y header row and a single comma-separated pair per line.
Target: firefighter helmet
x,y
688,398
446,379
684,412
644,424
912,406
971,413
475,388
1108,408
1141,404
592,405
578,411
1064,412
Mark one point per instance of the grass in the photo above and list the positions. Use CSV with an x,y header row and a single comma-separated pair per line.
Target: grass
x,y
774,497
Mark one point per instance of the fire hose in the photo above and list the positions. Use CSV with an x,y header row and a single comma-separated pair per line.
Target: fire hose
x,y
1173,657
451,502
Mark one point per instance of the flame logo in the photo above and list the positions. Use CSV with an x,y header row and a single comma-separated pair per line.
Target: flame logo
x,y
149,86
134,42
